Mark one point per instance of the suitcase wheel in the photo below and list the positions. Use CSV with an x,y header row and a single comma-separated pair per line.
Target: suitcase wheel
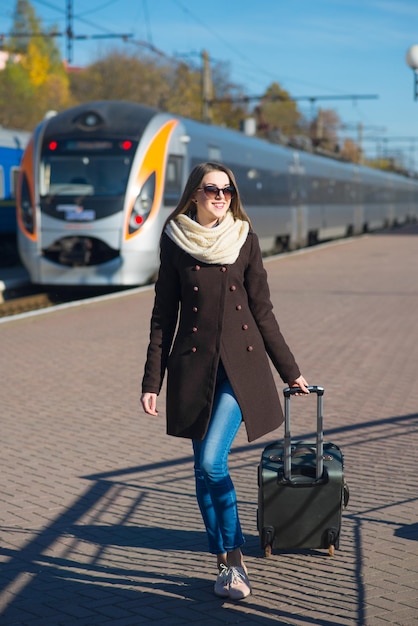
x,y
267,537
346,494
332,540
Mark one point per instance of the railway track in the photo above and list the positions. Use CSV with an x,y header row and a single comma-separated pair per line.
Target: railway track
x,y
24,304
29,298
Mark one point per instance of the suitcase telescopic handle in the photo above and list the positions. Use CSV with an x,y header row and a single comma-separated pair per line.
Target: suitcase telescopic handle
x,y
290,391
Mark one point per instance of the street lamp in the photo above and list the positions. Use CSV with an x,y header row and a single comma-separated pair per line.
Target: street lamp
x,y
412,61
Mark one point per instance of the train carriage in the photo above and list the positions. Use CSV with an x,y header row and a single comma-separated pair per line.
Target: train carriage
x,y
99,180
12,144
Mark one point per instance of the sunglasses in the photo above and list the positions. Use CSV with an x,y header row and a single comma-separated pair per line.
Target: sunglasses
x,y
212,191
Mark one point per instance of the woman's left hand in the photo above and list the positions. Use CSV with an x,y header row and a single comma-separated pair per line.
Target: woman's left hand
x,y
300,382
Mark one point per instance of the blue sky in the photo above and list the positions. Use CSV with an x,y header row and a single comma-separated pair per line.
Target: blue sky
x,y
311,47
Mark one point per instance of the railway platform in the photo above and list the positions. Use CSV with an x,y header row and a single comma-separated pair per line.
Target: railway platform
x,y
99,523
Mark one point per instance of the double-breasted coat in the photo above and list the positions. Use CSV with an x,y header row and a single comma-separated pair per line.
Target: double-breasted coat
x,y
224,312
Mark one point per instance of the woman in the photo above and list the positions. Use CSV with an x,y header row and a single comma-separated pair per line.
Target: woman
x,y
218,370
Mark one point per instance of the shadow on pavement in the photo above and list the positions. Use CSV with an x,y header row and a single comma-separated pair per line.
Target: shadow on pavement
x,y
77,569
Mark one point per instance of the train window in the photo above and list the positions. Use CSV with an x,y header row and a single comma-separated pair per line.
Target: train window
x,y
214,154
320,191
14,175
1,182
262,187
173,179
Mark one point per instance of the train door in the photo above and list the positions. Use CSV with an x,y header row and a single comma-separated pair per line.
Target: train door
x,y
356,200
297,202
392,217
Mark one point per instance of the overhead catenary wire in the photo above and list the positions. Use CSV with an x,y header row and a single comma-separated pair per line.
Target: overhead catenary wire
x,y
69,33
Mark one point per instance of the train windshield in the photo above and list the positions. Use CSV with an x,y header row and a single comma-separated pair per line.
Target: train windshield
x,y
90,168
90,176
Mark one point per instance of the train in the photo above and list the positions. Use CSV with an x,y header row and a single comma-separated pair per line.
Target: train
x,y
12,144
98,180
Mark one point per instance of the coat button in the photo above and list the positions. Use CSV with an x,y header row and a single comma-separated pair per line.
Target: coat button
x,y
195,329
245,327
195,309
250,349
197,267
195,288
223,269
232,288
194,349
238,307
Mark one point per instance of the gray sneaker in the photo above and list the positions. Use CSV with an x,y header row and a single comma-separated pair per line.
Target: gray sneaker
x,y
221,585
238,583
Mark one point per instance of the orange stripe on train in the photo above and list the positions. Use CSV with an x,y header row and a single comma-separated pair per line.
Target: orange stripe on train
x,y
153,163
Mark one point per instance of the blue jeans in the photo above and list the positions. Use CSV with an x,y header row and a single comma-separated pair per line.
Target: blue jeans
x,y
214,488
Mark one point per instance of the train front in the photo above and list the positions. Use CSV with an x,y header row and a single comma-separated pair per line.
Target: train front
x,y
90,195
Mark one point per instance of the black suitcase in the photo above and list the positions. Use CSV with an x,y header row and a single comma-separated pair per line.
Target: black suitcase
x,y
301,489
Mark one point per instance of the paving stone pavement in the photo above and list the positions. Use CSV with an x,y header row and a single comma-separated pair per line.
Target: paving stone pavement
x,y
99,524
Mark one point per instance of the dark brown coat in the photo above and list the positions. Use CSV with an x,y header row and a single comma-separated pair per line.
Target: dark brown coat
x,y
226,314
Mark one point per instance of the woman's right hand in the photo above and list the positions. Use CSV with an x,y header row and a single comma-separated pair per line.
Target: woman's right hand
x,y
300,382
149,403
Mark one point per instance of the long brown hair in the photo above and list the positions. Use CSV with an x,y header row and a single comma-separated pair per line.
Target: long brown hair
x,y
186,203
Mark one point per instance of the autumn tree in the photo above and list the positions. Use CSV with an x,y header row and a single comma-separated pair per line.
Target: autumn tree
x,y
388,164
324,130
167,84
277,114
350,151
229,107
185,92
121,76
34,81
25,26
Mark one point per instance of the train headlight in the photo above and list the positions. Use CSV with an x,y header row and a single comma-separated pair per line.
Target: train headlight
x,y
142,205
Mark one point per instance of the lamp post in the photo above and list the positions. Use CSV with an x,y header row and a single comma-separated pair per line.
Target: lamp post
x,y
412,61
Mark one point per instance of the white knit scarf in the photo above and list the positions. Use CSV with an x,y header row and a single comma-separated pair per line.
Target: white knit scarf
x,y
209,245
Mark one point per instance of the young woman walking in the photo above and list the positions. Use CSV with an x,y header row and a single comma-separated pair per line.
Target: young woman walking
x,y
212,287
